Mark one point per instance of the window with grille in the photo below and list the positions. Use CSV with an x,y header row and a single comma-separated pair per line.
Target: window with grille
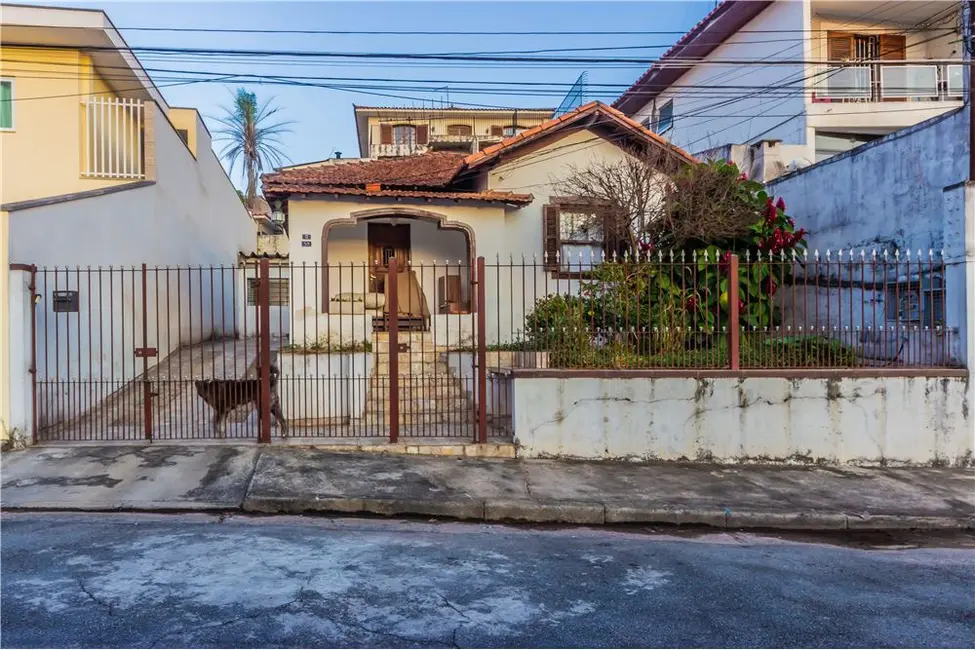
x,y
919,302
279,291
459,129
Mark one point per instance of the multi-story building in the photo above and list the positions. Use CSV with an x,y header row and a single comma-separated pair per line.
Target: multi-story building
x,y
785,83
385,132
96,170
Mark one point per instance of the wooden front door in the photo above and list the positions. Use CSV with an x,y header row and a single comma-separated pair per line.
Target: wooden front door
x,y
386,241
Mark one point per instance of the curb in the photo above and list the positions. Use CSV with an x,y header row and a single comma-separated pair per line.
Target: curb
x,y
537,511
534,511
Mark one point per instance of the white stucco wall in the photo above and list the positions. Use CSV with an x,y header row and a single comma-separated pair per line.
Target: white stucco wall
x,y
708,114
348,247
911,421
191,215
887,193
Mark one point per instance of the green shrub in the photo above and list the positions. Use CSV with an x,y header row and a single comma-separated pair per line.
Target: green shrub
x,y
558,324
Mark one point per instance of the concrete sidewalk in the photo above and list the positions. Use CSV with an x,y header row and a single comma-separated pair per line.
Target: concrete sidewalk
x,y
299,480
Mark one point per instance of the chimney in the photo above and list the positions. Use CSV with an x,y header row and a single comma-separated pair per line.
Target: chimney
x,y
767,161
338,154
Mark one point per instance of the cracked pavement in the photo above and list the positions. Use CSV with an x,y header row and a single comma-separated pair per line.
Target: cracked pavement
x,y
144,581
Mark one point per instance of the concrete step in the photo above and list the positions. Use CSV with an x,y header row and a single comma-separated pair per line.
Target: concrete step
x,y
418,367
431,404
415,377
445,393
425,418
416,353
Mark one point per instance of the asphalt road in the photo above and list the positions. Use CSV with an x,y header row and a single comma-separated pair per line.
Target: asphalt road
x,y
192,581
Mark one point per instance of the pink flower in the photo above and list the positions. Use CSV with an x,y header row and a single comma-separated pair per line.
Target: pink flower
x,y
743,176
780,204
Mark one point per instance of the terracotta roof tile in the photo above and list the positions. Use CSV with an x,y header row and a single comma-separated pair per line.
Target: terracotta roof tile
x,y
492,196
425,170
621,120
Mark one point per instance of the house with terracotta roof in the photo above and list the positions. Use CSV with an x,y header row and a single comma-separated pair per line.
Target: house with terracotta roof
x,y
776,85
437,212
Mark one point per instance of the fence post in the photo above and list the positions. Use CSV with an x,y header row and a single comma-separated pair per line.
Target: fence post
x,y
481,354
734,329
145,353
392,326
264,350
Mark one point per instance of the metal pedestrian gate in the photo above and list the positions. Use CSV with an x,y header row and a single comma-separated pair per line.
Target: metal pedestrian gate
x,y
163,352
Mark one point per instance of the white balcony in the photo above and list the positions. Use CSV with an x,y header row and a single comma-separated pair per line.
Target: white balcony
x,y
875,81
396,149
112,138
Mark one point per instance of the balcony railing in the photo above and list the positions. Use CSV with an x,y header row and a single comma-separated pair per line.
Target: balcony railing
x,y
397,149
113,138
437,142
875,81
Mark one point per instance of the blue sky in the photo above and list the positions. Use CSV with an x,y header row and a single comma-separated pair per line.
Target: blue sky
x,y
323,117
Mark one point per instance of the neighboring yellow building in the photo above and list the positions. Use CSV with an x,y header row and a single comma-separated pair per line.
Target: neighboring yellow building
x,y
389,131
95,169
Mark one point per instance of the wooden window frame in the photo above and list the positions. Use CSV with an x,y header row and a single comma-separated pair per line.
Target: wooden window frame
x,y
552,212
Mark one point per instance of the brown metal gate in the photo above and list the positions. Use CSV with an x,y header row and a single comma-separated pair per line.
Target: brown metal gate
x,y
148,352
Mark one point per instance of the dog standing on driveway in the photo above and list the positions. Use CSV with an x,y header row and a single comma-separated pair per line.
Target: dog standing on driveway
x,y
225,395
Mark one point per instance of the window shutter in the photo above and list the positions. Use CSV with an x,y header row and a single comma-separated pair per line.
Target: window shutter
x,y
550,236
497,130
840,46
893,47
385,134
422,133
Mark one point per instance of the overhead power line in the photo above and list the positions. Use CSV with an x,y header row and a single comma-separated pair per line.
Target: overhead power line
x,y
340,32
675,61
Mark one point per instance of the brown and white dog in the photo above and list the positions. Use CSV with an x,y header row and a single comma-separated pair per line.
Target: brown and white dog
x,y
225,395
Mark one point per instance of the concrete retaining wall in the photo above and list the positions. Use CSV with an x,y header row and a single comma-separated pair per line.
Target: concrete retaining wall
x,y
862,421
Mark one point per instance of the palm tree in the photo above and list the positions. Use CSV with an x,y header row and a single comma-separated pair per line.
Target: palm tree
x,y
252,138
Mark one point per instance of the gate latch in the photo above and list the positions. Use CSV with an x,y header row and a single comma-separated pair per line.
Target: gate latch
x,y
141,353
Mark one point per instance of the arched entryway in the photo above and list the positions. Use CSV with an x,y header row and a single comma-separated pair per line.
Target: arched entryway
x,y
441,253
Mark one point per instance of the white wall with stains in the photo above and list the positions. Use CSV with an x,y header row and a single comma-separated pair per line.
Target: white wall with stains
x,y
861,421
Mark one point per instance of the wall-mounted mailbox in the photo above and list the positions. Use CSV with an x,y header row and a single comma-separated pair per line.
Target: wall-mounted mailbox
x,y
65,301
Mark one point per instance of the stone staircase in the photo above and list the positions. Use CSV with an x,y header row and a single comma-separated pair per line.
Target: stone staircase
x,y
428,393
